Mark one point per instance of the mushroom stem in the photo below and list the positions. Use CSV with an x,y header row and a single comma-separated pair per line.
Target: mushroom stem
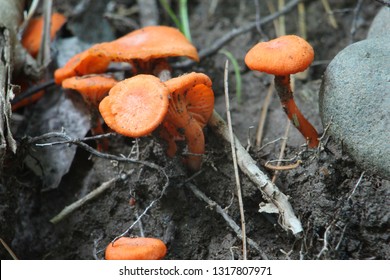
x,y
283,88
195,141
97,129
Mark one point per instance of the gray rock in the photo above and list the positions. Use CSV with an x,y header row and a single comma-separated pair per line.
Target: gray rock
x,y
355,95
380,26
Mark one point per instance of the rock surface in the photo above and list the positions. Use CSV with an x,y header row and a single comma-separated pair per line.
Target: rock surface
x,y
355,96
380,26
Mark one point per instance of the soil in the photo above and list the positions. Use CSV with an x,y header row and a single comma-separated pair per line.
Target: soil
x,y
343,209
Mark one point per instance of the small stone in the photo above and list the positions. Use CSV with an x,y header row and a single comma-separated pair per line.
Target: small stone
x,y
355,96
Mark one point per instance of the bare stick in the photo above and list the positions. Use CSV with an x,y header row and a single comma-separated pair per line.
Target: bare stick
x,y
9,250
86,147
263,115
44,50
33,90
10,17
281,19
282,148
356,186
258,25
325,248
31,11
238,185
199,194
284,167
287,219
329,12
149,13
93,194
341,238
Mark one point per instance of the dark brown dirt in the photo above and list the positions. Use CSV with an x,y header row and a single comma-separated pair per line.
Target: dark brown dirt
x,y
352,216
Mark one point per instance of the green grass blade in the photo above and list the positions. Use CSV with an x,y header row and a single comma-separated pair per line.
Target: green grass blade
x,y
237,73
167,8
185,23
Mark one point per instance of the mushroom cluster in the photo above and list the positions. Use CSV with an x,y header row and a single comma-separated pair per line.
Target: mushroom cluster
x,y
178,107
150,99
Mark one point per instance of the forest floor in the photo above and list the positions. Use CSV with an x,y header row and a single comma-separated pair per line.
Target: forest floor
x,y
344,210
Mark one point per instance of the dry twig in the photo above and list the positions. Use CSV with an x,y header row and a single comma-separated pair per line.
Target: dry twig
x,y
282,148
199,194
9,250
263,114
287,219
237,176
328,10
80,143
92,195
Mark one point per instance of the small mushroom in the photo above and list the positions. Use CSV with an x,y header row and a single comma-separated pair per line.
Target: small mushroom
x,y
31,41
136,106
190,107
140,248
93,88
81,64
32,36
282,57
147,48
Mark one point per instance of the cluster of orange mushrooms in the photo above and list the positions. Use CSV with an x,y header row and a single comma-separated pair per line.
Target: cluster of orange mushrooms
x,y
179,108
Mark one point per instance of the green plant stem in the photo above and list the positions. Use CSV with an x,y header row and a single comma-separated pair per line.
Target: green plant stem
x,y
185,23
167,8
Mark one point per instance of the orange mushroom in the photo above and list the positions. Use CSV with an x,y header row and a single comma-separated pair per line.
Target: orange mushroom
x,y
190,107
93,88
147,48
31,41
140,248
136,106
282,57
32,36
81,64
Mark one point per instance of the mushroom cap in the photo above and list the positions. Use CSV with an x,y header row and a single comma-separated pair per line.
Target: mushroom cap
x,y
282,56
140,248
81,64
32,36
191,93
93,88
147,43
135,106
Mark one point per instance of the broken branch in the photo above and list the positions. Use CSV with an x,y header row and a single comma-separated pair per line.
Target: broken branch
x,y
287,219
